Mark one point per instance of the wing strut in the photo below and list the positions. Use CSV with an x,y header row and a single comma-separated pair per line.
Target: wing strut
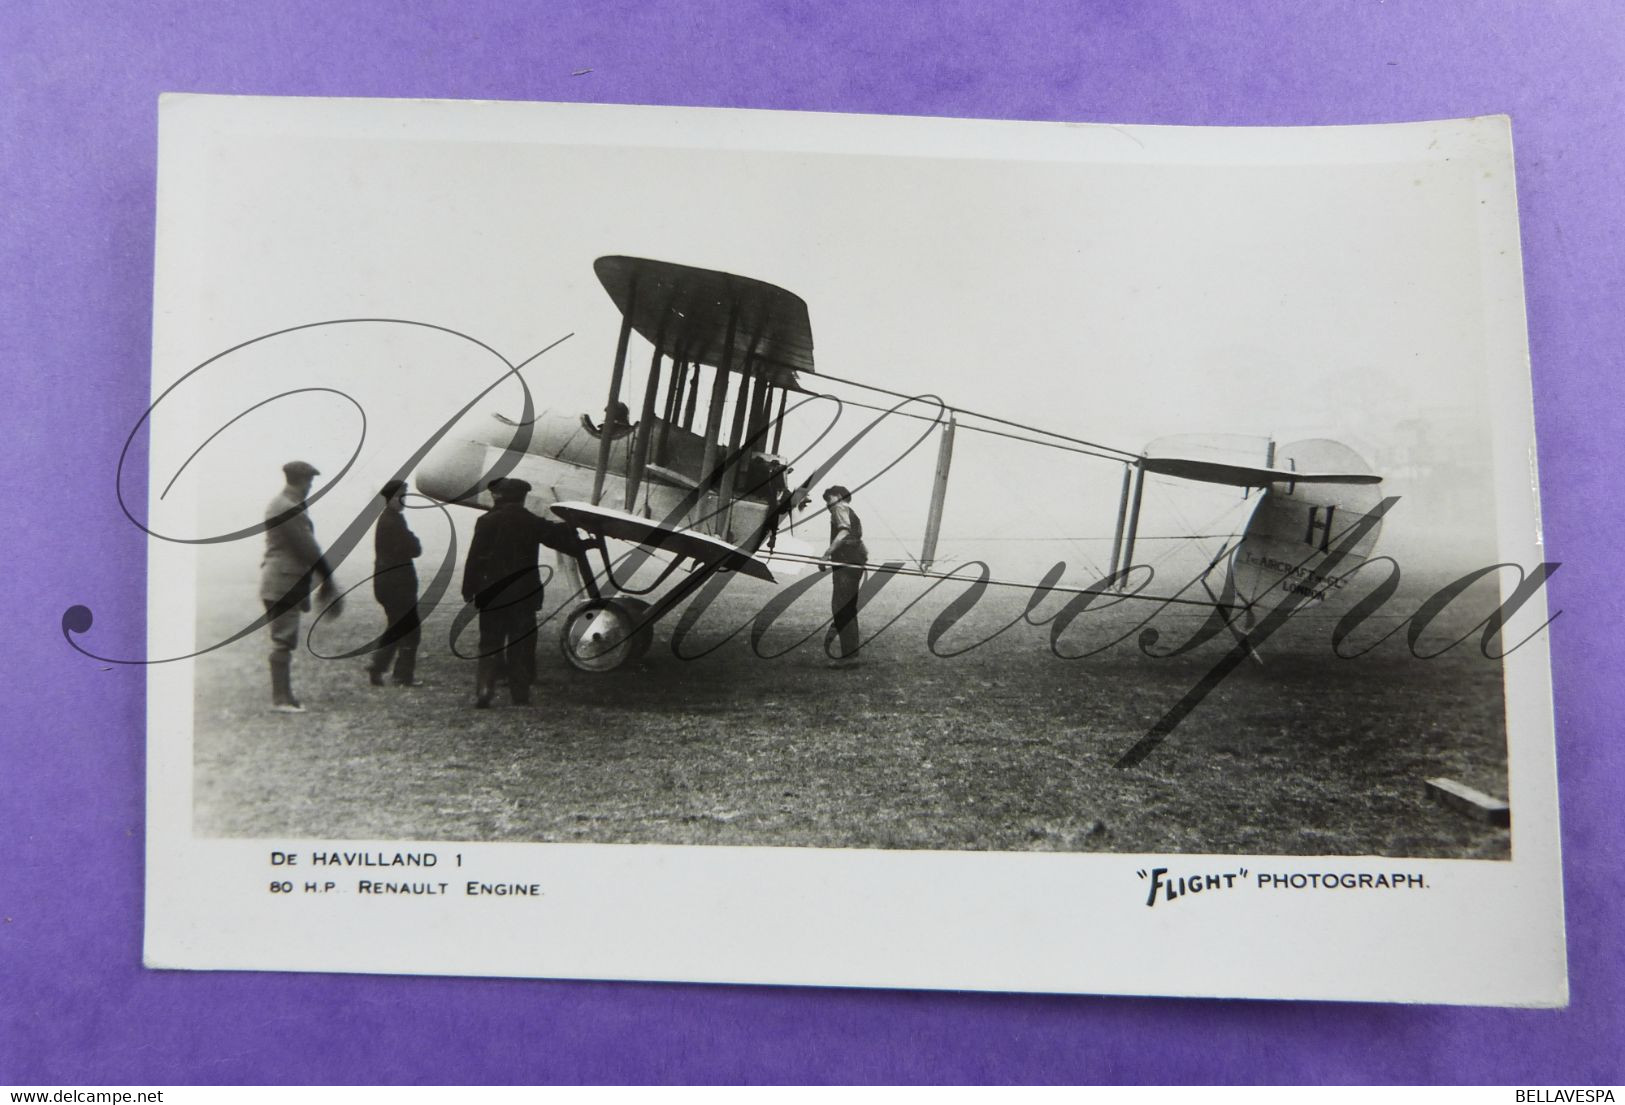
x,y
939,493
604,442
713,414
643,437
1127,560
736,455
1122,518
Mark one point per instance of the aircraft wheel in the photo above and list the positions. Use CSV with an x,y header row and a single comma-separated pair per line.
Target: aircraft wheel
x,y
637,611
606,634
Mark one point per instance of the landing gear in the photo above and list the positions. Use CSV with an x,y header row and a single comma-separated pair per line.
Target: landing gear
x,y
605,634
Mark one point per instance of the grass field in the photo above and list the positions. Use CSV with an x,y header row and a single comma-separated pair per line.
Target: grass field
x,y
1005,747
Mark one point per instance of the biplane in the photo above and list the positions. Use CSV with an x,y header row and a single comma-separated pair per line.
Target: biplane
x,y
697,477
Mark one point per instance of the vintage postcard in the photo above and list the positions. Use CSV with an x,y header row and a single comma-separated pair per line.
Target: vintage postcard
x,y
731,546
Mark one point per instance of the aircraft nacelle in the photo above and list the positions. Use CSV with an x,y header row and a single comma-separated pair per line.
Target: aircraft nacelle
x,y
560,464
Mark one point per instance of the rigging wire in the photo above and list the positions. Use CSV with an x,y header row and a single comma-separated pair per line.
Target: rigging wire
x,y
1110,452
984,429
1180,516
898,570
1088,561
1099,537
1167,600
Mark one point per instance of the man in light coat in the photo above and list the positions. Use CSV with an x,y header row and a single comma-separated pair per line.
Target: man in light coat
x,y
292,559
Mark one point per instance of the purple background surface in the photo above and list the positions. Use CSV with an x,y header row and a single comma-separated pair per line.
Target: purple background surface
x,y
78,93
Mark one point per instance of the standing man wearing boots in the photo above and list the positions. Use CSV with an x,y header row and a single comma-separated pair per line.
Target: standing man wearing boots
x,y
395,586
849,557
292,558
503,579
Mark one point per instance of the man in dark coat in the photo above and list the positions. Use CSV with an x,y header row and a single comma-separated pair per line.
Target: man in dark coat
x,y
395,586
503,580
292,559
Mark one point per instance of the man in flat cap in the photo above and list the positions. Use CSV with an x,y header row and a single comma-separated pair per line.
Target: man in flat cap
x,y
395,586
292,558
848,557
503,580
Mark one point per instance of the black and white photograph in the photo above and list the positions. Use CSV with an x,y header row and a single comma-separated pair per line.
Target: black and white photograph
x,y
839,543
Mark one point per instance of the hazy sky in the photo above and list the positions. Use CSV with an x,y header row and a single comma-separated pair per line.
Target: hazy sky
x,y
1143,283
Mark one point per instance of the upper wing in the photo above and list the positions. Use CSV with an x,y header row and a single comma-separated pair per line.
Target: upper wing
x,y
692,314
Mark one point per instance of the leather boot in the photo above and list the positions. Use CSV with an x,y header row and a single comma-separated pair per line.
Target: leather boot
x,y
282,699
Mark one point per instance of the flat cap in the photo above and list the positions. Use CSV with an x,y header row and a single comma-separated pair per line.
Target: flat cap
x,y
509,489
298,470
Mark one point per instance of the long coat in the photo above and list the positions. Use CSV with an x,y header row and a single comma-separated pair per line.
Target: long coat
x,y
291,552
394,547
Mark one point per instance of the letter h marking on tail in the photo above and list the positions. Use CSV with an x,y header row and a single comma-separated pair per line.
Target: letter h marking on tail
x,y
1325,528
